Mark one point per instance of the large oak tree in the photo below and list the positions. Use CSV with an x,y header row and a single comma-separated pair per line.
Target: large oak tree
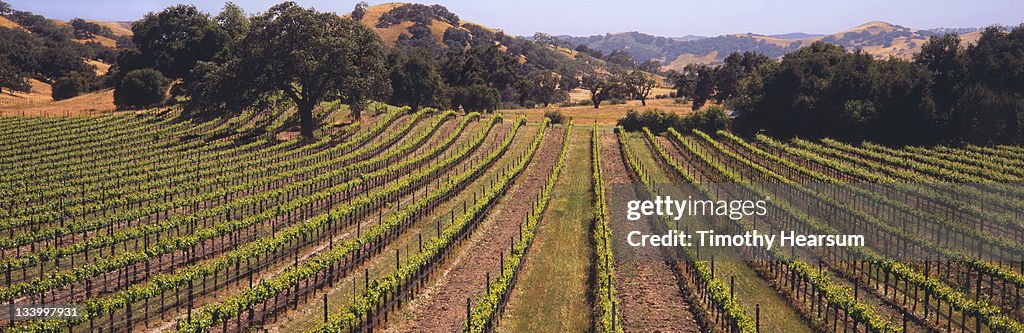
x,y
309,56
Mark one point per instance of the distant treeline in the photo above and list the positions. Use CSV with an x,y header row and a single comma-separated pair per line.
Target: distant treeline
x,y
946,94
222,64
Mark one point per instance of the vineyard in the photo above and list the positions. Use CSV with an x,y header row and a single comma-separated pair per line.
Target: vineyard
x,y
437,221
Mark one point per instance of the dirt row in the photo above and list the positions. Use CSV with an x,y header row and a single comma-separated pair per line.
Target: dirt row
x,y
442,306
647,288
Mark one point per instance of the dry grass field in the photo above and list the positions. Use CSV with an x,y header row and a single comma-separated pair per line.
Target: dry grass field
x,y
88,104
608,113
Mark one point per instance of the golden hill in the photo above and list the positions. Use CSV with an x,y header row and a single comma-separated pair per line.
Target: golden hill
x,y
39,101
390,34
880,39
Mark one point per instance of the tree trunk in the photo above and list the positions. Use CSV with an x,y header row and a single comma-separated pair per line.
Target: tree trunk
x,y
643,102
597,103
306,118
356,111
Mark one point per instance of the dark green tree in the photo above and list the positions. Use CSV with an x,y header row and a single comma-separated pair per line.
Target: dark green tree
x,y
141,88
18,51
735,68
703,85
601,88
543,87
306,55
73,84
621,58
638,83
359,11
174,39
415,81
943,57
476,98
85,29
233,21
12,77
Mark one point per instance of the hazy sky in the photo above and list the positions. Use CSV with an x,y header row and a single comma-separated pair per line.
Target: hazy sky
x,y
659,17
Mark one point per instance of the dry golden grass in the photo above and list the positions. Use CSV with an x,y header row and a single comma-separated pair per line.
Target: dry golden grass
x,y
118,28
606,115
101,67
88,104
7,23
873,27
40,93
780,42
686,59
390,34
103,40
970,38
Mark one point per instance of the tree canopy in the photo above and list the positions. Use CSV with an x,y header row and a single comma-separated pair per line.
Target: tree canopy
x,y
175,39
948,93
305,55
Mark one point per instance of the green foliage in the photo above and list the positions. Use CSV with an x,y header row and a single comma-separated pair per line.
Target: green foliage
x,y
141,88
415,82
86,30
697,82
46,51
638,84
233,20
480,65
710,119
476,98
174,40
456,38
418,14
11,78
74,84
947,94
602,88
606,303
303,55
556,117
359,11
543,87
486,310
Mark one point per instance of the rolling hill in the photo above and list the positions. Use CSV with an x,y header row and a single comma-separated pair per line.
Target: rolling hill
x,y
39,100
877,38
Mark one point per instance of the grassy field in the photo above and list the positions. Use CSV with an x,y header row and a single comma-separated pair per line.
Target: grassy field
x,y
552,291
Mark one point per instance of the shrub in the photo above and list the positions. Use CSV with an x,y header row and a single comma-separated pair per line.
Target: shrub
x,y
141,88
616,101
708,120
556,117
476,98
73,84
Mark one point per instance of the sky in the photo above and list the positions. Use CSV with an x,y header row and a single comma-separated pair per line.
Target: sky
x,y
591,17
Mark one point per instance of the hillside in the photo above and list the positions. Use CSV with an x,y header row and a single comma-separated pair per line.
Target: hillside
x,y
390,30
95,58
877,38
433,26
